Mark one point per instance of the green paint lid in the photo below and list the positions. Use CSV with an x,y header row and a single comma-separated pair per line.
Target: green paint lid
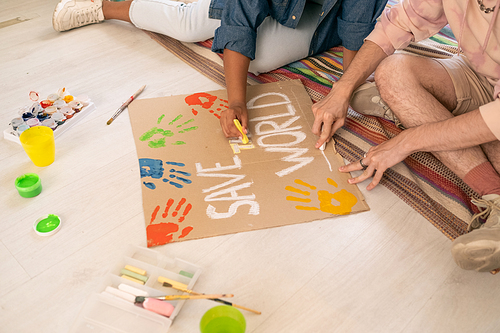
x,y
29,185
47,225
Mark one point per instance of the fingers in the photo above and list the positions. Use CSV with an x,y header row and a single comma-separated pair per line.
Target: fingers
x,y
227,122
370,171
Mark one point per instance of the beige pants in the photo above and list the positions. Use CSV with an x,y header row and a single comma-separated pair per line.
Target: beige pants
x,y
472,89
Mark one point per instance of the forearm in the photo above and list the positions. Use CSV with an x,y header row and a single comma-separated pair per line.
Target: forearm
x,y
235,70
348,55
361,67
464,131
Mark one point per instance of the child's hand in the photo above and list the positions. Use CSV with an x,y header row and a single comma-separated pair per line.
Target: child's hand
x,y
235,111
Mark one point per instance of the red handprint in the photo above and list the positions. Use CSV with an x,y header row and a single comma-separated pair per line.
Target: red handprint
x,y
163,232
206,101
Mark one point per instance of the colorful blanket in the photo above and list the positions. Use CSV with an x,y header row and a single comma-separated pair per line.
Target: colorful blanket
x,y
421,180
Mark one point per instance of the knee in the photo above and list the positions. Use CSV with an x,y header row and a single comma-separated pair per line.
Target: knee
x,y
391,72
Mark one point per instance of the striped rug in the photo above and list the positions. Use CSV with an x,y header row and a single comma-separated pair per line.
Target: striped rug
x,y
420,180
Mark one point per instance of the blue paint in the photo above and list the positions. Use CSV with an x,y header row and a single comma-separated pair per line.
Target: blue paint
x,y
181,172
175,163
151,186
176,185
165,180
187,181
151,168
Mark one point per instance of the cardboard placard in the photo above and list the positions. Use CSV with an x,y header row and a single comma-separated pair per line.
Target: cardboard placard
x,y
196,183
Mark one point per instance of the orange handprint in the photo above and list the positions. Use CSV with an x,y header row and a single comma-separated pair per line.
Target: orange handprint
x,y
163,232
346,199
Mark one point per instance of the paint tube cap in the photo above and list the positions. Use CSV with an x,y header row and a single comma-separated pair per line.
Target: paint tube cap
x,y
29,185
47,225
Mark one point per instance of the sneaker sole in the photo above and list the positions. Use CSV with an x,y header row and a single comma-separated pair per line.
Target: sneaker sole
x,y
478,250
57,10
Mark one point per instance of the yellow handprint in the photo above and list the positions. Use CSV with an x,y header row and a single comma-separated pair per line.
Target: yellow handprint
x,y
346,199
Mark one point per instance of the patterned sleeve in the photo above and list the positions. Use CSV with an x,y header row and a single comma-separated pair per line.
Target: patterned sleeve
x,y
406,22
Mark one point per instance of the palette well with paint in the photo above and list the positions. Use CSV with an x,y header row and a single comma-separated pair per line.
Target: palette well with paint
x,y
106,312
62,117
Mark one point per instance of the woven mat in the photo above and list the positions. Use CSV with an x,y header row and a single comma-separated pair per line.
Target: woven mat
x,y
421,180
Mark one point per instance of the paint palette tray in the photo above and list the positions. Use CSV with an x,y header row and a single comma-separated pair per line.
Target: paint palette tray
x,y
12,135
104,312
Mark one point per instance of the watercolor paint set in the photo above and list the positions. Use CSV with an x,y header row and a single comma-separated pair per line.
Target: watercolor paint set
x,y
59,111
140,272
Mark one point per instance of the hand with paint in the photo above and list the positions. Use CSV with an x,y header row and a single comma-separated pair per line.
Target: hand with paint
x,y
227,121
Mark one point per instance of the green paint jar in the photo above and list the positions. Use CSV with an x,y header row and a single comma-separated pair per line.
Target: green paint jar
x,y
223,319
29,185
47,225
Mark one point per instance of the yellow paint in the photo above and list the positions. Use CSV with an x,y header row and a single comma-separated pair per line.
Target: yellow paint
x,y
332,182
297,199
346,199
306,208
296,190
300,182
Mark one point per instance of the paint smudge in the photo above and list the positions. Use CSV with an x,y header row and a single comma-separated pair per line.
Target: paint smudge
x,y
346,199
151,186
154,168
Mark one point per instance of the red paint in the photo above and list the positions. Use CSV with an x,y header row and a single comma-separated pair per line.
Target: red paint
x,y
217,115
195,99
194,112
183,200
186,211
45,103
162,233
170,202
186,232
153,216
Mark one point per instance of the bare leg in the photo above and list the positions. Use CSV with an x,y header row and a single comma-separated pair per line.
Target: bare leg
x,y
116,10
419,90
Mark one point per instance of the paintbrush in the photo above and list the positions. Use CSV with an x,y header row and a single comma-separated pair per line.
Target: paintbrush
x,y
125,104
169,285
141,299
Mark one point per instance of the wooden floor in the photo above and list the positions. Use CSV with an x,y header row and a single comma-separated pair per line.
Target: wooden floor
x,y
386,270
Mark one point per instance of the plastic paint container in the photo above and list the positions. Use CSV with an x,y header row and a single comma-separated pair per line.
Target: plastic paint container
x,y
22,128
223,319
47,225
50,109
84,99
16,122
32,122
36,108
59,103
27,115
49,123
59,118
29,185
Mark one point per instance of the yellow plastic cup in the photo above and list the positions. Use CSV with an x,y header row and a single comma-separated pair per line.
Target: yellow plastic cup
x,y
38,143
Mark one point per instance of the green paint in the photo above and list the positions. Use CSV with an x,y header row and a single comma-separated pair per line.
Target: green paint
x,y
179,143
189,129
28,181
48,224
157,143
161,118
186,122
176,118
153,131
